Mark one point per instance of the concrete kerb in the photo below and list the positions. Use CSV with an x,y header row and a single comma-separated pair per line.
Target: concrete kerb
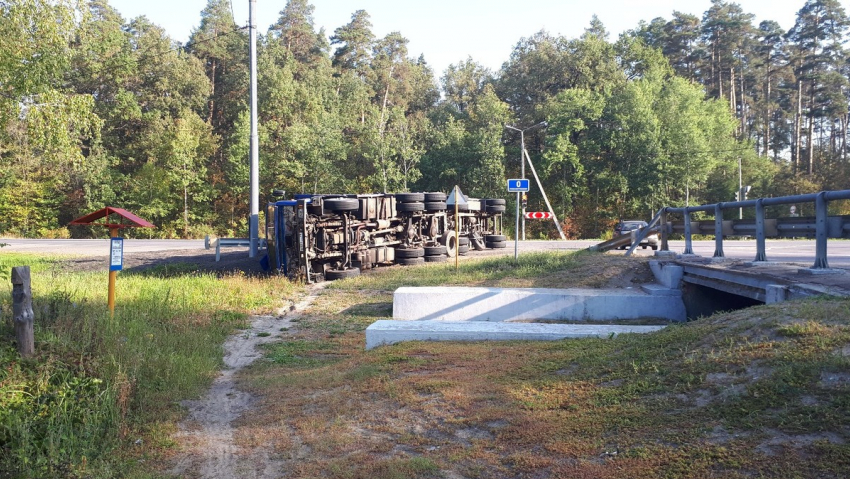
x,y
384,332
533,304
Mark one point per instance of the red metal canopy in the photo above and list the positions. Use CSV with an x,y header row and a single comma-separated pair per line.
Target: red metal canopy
x,y
133,221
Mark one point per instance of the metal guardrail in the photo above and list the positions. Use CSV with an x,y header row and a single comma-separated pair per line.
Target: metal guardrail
x,y
229,242
824,226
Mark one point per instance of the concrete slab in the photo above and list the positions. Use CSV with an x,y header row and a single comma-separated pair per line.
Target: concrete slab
x,y
660,290
820,271
666,273
528,304
383,332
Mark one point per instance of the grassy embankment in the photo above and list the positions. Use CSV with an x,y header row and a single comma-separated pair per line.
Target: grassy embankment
x,y
762,392
101,394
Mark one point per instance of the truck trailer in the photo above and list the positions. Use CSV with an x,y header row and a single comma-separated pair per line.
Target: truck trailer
x,y
332,236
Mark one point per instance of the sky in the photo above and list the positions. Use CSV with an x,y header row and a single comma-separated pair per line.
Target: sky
x,y
449,31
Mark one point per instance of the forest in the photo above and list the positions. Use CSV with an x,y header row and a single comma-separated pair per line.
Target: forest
x,y
99,110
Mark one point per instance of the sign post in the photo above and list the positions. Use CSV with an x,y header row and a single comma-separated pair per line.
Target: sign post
x,y
457,200
116,243
116,263
518,185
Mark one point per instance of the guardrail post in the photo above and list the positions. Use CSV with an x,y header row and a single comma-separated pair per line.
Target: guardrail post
x,y
664,246
718,230
689,247
760,247
821,231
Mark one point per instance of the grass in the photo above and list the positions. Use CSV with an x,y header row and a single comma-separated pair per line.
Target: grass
x,y
98,384
761,392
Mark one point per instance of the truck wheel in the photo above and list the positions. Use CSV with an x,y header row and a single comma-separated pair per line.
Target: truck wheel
x,y
493,202
463,249
463,241
436,259
410,261
409,197
449,240
341,204
435,197
334,274
435,205
409,252
477,242
494,208
654,247
410,207
494,238
496,244
435,251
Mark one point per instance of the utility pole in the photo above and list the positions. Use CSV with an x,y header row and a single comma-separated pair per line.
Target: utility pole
x,y
254,219
522,156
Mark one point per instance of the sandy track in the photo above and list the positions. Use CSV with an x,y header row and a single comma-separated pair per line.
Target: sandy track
x,y
206,436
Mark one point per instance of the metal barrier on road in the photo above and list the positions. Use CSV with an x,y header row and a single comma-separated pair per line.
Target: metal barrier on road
x,y
821,227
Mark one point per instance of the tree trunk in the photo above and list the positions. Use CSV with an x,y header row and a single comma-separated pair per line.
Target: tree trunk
x,y
798,118
732,99
811,138
766,146
212,93
185,212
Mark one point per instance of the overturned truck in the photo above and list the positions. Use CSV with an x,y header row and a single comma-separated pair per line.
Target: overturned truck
x,y
327,237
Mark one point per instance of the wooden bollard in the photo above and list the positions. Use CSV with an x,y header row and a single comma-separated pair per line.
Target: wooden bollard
x,y
22,310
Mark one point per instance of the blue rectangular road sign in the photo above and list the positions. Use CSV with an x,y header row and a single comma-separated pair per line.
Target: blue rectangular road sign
x,y
516,185
116,254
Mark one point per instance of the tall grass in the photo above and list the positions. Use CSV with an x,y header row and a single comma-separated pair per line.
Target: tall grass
x,y
98,383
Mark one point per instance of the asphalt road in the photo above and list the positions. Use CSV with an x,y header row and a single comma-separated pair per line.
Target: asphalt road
x,y
785,251
96,247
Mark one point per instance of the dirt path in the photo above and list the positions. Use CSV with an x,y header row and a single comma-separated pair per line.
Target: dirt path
x,y
207,435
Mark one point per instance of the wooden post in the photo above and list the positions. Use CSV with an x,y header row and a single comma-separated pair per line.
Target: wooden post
x,y
22,310
110,296
457,227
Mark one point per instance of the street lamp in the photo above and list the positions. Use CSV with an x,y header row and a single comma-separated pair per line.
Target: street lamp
x,y
522,156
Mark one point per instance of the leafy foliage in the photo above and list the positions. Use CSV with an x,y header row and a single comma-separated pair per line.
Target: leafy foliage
x,y
97,110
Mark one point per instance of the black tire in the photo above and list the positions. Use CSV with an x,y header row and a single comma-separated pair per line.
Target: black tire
x,y
654,247
459,207
463,249
409,261
494,202
493,209
435,251
449,240
341,204
410,207
410,197
494,238
463,241
435,205
409,252
496,244
436,259
334,274
478,243
435,197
